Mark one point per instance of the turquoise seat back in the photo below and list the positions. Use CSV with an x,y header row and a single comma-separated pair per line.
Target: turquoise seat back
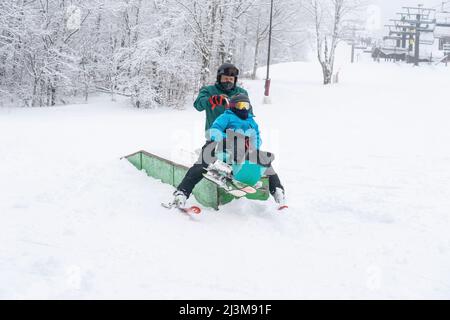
x,y
248,172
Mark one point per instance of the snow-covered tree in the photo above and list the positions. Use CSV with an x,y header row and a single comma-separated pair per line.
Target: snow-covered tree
x,y
157,52
328,18
287,33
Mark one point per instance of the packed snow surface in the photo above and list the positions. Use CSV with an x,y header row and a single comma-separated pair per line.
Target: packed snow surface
x,y
365,163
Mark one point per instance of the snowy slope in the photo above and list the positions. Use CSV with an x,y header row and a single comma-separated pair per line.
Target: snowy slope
x,y
365,163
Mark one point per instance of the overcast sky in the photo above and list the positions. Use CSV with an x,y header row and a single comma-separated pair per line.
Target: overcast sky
x,y
386,9
390,7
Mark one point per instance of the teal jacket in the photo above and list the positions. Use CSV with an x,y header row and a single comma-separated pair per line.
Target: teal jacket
x,y
202,102
229,120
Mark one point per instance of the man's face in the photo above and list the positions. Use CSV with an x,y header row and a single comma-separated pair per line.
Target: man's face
x,y
226,79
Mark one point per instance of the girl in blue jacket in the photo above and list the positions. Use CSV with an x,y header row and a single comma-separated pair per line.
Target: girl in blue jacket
x,y
239,119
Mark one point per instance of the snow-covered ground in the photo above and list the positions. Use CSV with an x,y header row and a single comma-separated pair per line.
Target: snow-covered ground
x,y
366,166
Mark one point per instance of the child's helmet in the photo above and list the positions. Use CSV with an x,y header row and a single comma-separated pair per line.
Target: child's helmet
x,y
240,101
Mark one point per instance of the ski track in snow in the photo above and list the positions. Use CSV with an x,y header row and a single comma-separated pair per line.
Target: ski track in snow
x,y
365,163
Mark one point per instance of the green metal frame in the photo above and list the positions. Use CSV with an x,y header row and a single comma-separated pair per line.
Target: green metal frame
x,y
205,192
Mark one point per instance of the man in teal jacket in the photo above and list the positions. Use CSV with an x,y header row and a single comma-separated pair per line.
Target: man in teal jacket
x,y
213,99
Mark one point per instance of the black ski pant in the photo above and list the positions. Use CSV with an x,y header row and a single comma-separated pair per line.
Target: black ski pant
x,y
195,175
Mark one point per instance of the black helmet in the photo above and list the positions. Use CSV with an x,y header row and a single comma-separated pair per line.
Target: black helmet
x,y
240,105
240,97
228,69
240,101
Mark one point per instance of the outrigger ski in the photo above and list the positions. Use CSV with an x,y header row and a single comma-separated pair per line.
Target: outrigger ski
x,y
231,186
221,174
189,210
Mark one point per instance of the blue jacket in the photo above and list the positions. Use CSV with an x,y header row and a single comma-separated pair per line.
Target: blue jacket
x,y
229,120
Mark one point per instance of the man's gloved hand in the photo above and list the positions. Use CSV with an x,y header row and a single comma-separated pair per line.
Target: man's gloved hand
x,y
219,100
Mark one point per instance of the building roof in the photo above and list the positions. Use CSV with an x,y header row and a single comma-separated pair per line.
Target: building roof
x,y
442,32
443,17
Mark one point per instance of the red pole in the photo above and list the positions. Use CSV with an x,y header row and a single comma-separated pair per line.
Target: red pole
x,y
267,87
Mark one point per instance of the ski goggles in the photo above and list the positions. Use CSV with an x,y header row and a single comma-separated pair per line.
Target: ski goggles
x,y
241,105
231,72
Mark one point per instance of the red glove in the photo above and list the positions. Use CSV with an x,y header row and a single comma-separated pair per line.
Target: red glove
x,y
218,101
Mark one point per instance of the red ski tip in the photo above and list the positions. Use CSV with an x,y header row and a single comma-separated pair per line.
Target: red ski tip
x,y
283,207
195,210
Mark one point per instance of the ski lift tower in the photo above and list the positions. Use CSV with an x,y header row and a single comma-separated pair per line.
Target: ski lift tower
x,y
447,53
351,30
412,23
